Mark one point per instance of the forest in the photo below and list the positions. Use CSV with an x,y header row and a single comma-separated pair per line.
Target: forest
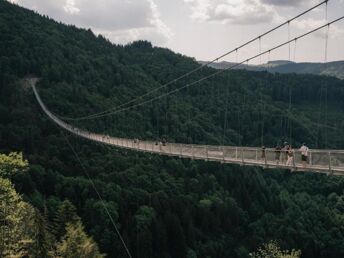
x,y
162,206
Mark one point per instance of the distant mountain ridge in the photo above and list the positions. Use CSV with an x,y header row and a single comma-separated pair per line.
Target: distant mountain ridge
x,y
335,69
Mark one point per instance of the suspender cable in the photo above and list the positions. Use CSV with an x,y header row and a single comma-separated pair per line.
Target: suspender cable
x,y
198,68
289,43
326,85
260,50
263,104
325,61
225,114
217,72
323,94
294,58
319,118
290,92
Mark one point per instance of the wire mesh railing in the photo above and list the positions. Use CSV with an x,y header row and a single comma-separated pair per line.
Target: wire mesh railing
x,y
325,161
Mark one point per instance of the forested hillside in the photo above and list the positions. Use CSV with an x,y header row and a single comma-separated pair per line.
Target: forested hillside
x,y
335,69
167,207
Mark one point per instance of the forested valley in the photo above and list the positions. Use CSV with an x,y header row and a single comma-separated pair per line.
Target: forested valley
x,y
162,206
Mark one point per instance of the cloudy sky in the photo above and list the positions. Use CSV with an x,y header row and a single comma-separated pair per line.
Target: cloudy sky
x,y
205,29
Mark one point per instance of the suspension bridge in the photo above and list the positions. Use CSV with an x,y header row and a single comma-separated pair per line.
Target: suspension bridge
x,y
326,161
321,161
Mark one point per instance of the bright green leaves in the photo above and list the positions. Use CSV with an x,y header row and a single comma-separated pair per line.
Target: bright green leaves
x,y
76,243
272,250
12,163
15,216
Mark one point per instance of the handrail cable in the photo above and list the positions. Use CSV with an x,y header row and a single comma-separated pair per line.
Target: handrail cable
x,y
217,72
95,115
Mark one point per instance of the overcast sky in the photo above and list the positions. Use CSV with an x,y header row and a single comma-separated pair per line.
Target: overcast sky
x,y
205,29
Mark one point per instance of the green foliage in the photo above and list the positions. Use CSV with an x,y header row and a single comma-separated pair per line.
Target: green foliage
x,y
272,250
144,217
16,216
11,164
66,213
76,243
163,207
24,231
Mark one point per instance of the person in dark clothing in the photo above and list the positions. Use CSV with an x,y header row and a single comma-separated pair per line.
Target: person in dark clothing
x,y
163,141
285,152
263,153
278,150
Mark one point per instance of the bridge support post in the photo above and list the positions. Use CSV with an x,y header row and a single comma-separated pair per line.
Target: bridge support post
x,y
242,156
330,164
294,161
223,154
265,161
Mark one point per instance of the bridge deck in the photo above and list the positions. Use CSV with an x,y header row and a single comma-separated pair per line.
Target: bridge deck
x,y
323,161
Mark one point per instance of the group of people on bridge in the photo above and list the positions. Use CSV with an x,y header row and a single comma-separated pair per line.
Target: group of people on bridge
x,y
286,154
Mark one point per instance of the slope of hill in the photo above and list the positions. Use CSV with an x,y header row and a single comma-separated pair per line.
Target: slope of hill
x,y
335,69
167,207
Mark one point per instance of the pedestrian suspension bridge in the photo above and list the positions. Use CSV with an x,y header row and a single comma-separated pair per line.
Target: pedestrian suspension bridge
x,y
327,161
322,161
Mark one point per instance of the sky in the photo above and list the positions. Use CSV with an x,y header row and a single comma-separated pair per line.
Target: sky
x,y
205,29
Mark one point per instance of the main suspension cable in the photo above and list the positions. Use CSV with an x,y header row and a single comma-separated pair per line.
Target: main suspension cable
x,y
95,115
217,72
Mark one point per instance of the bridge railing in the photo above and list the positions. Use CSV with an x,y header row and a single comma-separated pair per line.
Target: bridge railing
x,y
328,161
325,160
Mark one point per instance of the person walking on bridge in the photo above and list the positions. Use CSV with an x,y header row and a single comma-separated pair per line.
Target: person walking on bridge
x,y
263,153
290,154
278,150
304,154
285,152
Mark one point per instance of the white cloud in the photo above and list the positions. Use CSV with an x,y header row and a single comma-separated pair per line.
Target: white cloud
x,y
157,22
231,11
311,24
127,19
70,7
290,3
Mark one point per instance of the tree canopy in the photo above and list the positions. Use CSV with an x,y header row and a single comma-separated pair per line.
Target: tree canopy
x,y
163,206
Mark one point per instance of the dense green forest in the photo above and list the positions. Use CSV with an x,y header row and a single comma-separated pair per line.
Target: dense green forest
x,y
25,232
164,207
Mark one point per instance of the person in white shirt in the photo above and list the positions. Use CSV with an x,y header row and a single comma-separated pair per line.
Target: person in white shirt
x,y
290,155
304,154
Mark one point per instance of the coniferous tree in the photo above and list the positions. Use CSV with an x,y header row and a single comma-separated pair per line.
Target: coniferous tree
x,y
75,243
66,213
